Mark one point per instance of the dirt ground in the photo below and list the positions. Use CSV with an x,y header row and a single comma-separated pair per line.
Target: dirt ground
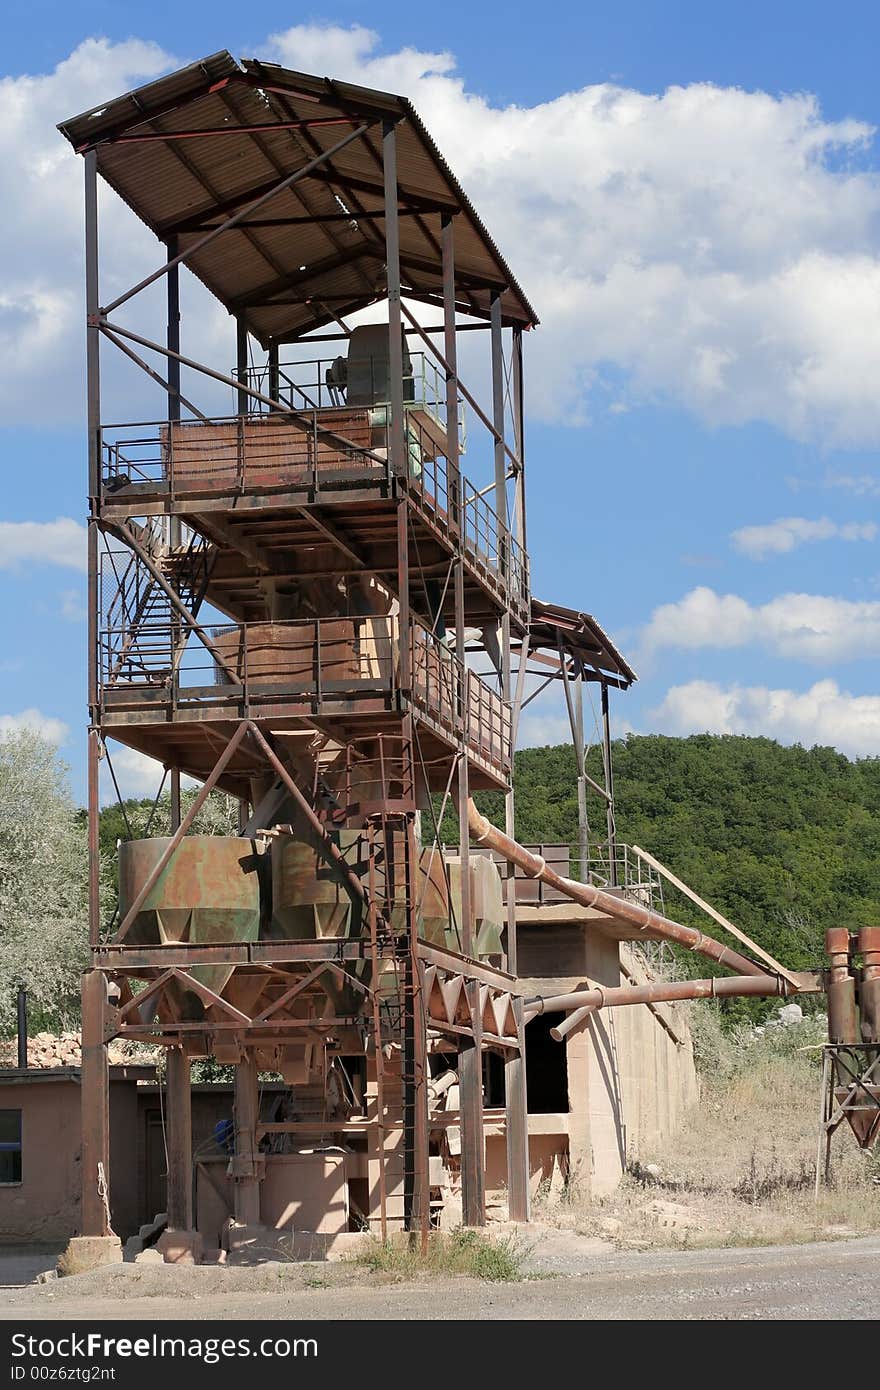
x,y
565,1277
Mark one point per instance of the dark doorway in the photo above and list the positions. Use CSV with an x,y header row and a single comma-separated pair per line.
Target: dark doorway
x,y
546,1067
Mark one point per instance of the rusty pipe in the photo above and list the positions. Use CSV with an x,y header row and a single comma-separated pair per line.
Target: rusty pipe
x,y
580,1004
843,1013
869,984
483,832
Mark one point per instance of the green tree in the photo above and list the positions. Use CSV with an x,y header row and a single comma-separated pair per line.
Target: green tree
x,y
43,884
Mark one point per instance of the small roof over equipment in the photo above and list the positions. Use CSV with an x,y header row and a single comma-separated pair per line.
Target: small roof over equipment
x,y
577,639
194,148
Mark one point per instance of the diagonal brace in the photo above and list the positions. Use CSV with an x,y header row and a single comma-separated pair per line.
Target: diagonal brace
x,y
205,791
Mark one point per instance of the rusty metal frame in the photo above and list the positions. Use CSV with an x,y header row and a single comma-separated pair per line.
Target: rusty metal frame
x,y
303,964
234,217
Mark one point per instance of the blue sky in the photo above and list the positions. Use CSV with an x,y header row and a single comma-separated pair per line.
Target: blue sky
x,y
706,263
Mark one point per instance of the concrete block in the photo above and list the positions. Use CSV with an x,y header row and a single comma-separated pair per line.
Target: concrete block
x,y
257,1244
320,1245
89,1252
180,1247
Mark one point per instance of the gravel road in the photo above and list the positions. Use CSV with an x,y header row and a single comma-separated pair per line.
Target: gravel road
x,y
836,1280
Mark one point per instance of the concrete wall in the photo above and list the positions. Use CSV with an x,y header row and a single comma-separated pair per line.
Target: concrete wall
x,y
637,1066
630,1073
45,1205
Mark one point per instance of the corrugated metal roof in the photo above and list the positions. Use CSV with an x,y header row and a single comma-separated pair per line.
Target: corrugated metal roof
x,y
580,636
286,279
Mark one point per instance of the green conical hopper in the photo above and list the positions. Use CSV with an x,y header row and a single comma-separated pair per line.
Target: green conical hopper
x,y
208,892
309,897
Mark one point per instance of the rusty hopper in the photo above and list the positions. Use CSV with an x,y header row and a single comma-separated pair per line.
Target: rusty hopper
x,y
310,900
208,892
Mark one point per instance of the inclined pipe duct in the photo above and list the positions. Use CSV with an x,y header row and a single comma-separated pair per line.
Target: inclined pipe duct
x,y
583,1002
483,832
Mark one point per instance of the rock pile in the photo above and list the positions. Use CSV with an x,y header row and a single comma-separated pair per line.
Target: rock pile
x,y
46,1050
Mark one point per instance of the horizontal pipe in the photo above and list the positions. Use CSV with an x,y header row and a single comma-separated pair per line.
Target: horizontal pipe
x,y
587,1001
484,833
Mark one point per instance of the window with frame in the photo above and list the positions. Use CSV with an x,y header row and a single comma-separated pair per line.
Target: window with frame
x,y
10,1146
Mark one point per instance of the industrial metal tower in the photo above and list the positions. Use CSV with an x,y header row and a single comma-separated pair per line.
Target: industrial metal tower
x,y
305,604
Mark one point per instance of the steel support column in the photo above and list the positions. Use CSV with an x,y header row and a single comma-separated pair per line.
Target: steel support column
x,y
395,325
498,416
417,1192
519,437
246,1161
450,351
466,925
516,1110
172,339
608,769
180,1186
274,371
241,365
504,561
93,406
95,1100
470,1089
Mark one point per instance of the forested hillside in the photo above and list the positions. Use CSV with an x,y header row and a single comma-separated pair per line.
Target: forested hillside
x,y
783,840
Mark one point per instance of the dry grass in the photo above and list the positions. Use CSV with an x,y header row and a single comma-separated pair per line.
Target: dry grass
x,y
741,1169
465,1252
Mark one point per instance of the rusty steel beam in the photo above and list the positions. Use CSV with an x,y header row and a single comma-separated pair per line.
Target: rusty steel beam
x,y
330,850
484,833
153,137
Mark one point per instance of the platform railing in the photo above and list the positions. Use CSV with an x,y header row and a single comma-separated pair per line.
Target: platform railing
x,y
314,384
245,454
320,662
622,871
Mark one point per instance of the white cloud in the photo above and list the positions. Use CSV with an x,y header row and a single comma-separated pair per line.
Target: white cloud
x,y
804,627
824,714
780,537
55,730
73,610
719,247
859,484
61,542
699,239
41,188
138,775
540,730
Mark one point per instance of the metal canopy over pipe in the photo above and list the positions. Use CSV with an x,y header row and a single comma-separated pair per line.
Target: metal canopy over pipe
x,y
484,833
